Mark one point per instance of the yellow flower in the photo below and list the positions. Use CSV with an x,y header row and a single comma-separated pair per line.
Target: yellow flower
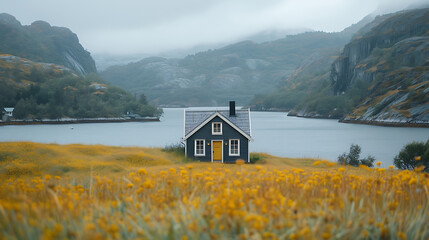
x,y
417,158
330,164
401,235
239,162
90,227
419,168
172,171
113,229
378,163
148,184
326,235
391,167
142,171
393,205
48,177
365,167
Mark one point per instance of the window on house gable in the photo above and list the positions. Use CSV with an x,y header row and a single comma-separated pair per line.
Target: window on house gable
x,y
234,147
217,128
200,147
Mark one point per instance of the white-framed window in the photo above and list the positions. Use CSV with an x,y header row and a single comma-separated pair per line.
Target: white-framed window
x,y
217,128
234,147
200,148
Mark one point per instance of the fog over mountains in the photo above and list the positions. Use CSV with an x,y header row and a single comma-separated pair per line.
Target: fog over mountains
x,y
268,56
143,27
237,71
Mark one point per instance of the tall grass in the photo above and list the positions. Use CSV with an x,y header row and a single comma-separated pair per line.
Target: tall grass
x,y
21,159
321,200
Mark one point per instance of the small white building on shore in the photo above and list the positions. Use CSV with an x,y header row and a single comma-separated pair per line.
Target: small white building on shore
x,y
9,111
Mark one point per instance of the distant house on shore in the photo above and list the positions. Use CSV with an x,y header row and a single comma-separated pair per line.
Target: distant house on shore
x,y
217,135
8,113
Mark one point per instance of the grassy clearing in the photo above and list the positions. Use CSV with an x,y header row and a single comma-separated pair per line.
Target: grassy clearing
x,y
145,193
26,159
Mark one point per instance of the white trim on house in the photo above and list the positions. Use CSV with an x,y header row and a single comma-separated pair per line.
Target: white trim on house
x,y
238,147
250,123
248,152
248,144
184,123
184,126
216,114
217,140
195,148
213,128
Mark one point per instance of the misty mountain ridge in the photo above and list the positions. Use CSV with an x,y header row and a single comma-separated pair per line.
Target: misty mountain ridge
x,y
104,60
42,42
237,71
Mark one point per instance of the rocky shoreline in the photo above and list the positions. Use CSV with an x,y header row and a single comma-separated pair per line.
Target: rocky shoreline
x,y
387,123
77,121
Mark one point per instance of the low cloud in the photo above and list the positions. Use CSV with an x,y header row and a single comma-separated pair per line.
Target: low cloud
x,y
150,27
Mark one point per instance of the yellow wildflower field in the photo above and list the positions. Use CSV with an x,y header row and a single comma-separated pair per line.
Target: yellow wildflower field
x,y
50,191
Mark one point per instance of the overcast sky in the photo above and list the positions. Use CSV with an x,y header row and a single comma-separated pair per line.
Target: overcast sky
x,y
151,27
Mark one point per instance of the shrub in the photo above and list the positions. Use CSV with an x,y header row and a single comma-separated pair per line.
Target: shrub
x,y
368,161
177,148
406,159
352,158
256,157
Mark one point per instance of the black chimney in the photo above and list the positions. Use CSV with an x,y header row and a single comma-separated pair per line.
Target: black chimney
x,y
232,108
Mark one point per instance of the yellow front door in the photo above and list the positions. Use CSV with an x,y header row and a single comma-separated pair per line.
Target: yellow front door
x,y
217,150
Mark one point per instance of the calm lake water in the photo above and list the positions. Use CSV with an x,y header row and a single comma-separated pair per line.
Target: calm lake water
x,y
273,133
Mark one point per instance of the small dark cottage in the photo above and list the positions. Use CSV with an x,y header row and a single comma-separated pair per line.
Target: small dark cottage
x,y
217,135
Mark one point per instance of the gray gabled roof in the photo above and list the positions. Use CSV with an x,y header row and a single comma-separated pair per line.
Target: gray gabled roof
x,y
195,118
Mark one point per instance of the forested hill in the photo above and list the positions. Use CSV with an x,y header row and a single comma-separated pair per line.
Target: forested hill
x,y
41,42
40,90
381,75
238,71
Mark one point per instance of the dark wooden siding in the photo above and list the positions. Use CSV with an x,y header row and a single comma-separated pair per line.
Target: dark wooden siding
x,y
227,133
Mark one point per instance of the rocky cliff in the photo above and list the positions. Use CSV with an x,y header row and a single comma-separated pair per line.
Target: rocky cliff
x,y
391,56
307,92
42,42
